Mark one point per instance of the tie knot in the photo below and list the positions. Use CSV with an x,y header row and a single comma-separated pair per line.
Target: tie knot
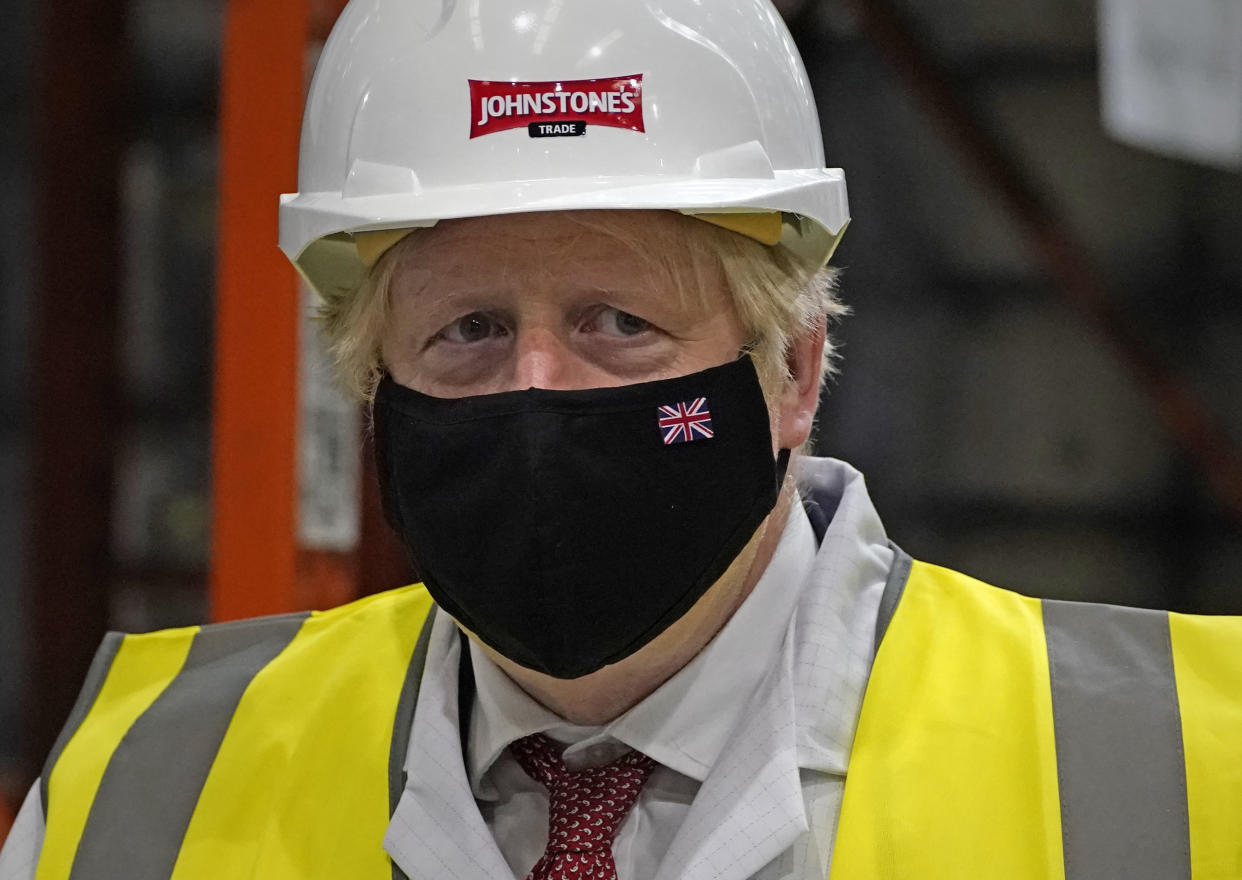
x,y
585,807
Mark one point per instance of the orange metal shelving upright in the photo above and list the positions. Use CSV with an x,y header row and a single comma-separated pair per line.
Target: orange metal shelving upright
x,y
254,423
258,566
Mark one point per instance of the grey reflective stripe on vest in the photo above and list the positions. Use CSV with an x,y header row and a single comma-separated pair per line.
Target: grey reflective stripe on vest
x,y
86,698
1120,765
404,722
894,588
151,785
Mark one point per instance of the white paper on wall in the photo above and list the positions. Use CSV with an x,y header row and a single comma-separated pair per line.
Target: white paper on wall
x,y
1171,76
329,449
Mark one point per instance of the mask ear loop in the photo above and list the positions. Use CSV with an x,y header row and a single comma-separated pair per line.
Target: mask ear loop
x,y
465,690
379,427
383,474
782,466
782,458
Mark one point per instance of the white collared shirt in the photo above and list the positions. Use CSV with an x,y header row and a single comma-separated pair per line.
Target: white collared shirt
x,y
683,725
753,736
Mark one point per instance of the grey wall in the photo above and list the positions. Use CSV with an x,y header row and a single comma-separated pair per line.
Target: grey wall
x,y
15,268
998,431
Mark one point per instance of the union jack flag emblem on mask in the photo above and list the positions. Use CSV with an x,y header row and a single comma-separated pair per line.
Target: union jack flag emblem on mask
x,y
683,422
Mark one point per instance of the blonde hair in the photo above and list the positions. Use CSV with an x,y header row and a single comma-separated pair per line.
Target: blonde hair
x,y
777,295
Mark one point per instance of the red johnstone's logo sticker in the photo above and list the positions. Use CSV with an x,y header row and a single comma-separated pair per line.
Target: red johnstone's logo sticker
x,y
556,109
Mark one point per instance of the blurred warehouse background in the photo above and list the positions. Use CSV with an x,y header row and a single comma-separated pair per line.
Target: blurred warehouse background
x,y
1042,378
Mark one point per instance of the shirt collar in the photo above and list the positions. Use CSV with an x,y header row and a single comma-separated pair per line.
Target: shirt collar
x,y
685,723
834,634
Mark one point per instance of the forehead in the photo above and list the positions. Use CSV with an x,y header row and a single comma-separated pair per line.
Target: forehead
x,y
635,243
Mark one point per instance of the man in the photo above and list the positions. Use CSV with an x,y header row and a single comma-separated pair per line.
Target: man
x,y
573,253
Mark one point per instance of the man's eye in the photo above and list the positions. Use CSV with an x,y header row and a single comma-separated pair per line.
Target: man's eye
x,y
474,327
618,323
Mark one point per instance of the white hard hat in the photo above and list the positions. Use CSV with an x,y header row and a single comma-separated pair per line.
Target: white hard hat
x,y
427,110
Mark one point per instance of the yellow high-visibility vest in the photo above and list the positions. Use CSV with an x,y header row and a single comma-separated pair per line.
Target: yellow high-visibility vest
x,y
1005,737
1000,736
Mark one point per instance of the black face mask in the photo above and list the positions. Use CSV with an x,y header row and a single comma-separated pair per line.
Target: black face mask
x,y
567,529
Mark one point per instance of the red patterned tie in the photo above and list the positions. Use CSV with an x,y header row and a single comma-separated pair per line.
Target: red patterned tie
x,y
586,807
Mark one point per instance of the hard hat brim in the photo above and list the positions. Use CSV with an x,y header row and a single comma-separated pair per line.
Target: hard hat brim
x,y
316,228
